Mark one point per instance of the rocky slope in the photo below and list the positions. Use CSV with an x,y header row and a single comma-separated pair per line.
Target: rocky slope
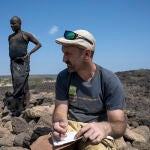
x,y
137,92
17,133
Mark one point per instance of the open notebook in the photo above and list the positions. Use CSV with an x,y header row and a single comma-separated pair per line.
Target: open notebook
x,y
68,139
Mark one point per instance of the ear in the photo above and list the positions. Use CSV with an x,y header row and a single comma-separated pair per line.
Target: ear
x,y
87,54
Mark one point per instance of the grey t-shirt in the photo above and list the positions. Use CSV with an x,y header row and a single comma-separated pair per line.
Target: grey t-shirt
x,y
89,101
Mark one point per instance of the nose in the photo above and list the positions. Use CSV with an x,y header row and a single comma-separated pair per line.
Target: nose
x,y
64,58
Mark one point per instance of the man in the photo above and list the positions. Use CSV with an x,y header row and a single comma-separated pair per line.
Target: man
x,y
20,59
89,98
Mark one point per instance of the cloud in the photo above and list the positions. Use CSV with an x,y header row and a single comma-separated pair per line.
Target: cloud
x,y
53,30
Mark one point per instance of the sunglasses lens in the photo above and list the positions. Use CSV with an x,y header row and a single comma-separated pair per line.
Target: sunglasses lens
x,y
69,35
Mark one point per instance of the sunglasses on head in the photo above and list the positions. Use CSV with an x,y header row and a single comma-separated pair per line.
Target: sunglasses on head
x,y
70,35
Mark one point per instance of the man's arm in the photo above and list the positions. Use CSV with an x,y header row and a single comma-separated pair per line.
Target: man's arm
x,y
60,111
117,122
60,121
60,114
32,39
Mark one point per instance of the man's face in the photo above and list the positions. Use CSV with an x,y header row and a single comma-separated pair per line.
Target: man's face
x,y
15,24
72,57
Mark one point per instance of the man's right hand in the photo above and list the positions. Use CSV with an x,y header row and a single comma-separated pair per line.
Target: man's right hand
x,y
27,56
60,129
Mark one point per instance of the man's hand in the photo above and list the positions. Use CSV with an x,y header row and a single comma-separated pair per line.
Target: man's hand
x,y
27,56
94,132
60,129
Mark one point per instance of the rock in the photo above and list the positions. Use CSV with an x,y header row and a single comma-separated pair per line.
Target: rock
x,y
129,147
145,120
144,131
4,131
22,139
130,135
45,121
13,148
39,111
19,125
8,125
7,140
6,118
134,124
141,145
120,143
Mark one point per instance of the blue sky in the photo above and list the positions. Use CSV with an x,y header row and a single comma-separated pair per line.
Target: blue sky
x,y
121,29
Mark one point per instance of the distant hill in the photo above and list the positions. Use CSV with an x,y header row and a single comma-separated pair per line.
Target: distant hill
x,y
136,84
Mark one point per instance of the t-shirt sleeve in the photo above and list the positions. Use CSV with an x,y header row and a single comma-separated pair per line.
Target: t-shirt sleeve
x,y
114,93
61,88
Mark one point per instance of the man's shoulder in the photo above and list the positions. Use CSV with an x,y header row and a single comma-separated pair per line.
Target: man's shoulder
x,y
24,32
63,77
11,35
64,72
106,73
27,34
104,70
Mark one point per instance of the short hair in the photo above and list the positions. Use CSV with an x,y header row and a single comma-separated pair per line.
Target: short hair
x,y
17,18
92,52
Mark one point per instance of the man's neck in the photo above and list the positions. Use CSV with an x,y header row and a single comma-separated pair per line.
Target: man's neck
x,y
18,31
88,72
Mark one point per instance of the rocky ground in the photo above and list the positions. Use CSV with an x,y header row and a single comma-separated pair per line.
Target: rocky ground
x,y
137,93
17,133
